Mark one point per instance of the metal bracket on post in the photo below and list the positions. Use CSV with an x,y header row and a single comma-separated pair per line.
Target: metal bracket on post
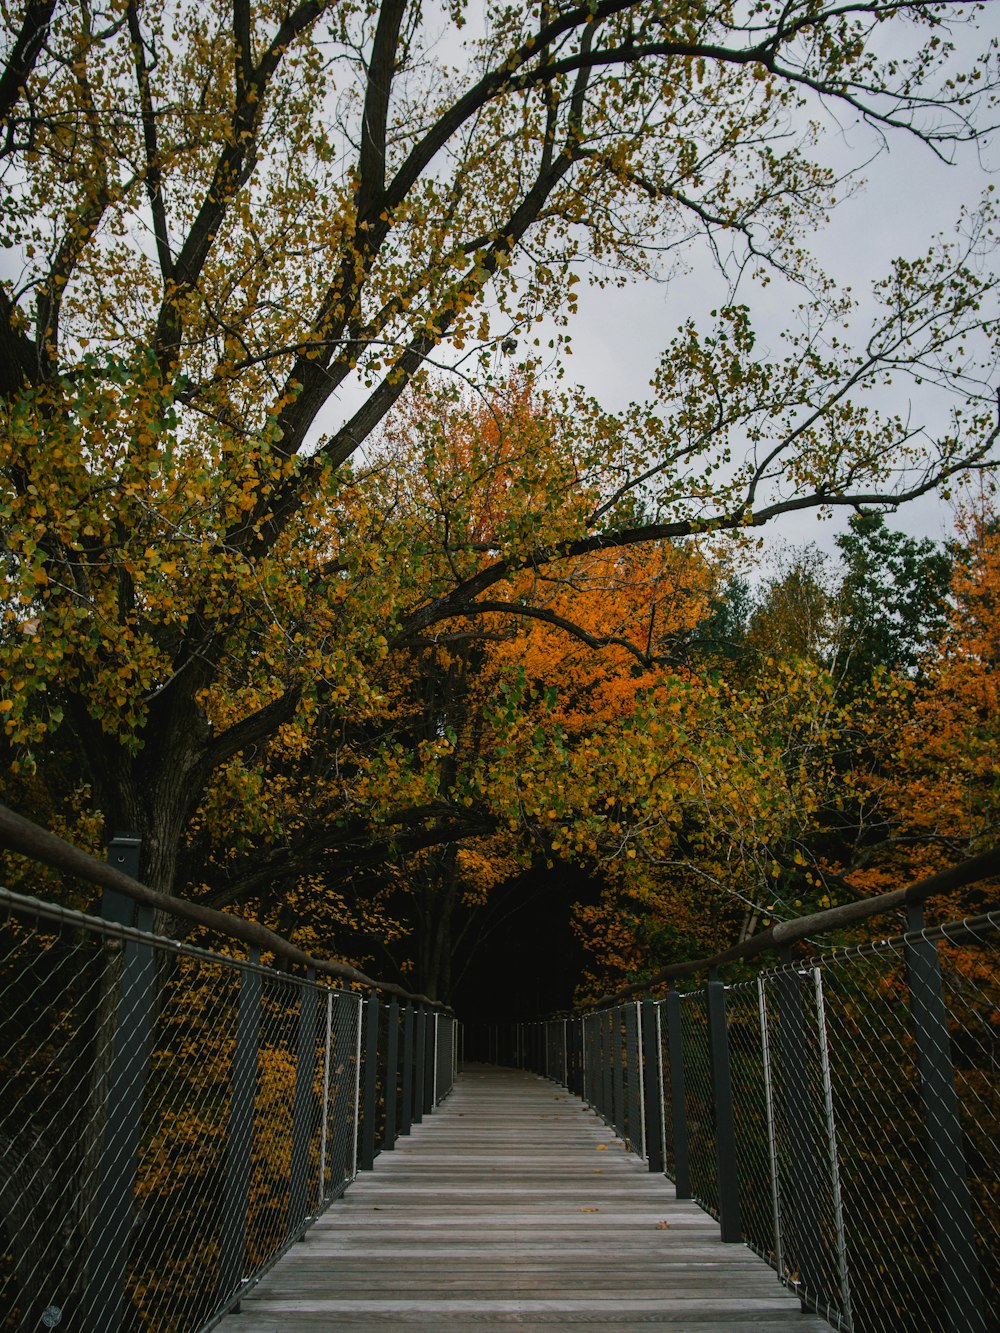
x,y
678,1097
370,1102
302,1114
116,1172
239,1131
123,853
730,1224
652,1086
959,1267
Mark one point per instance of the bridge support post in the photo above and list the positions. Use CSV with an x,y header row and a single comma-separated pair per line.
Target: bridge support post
x,y
652,1085
302,1113
239,1132
959,1264
730,1225
678,1109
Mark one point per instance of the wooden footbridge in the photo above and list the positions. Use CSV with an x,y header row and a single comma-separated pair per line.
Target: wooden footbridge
x,y
192,1140
515,1206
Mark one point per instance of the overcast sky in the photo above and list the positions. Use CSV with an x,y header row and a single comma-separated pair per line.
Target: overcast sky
x,y
909,195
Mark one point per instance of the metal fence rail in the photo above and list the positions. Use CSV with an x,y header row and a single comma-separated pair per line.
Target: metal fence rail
x,y
172,1119
840,1115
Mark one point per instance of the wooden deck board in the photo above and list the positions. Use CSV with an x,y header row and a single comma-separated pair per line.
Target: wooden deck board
x,y
515,1207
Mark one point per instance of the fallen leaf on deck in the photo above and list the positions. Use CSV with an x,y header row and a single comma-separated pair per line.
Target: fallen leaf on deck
x,y
663,1226
590,1210
602,1147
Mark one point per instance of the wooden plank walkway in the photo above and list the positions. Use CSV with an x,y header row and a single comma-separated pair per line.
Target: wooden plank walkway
x,y
515,1206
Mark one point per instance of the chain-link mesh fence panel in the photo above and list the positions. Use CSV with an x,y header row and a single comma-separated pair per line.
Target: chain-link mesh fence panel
x,y
632,1119
55,994
884,1181
672,1074
618,1046
445,1056
752,1118
809,1234
699,1102
555,1050
132,1068
591,1059
181,1166
972,1000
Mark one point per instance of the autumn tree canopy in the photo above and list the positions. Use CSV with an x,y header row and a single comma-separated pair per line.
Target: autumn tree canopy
x,y
237,235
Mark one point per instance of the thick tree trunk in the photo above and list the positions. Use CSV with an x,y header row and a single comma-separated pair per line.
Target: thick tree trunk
x,y
435,941
153,792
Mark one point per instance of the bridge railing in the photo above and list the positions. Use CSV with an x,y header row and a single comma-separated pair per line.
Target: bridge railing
x,y
173,1118
839,1113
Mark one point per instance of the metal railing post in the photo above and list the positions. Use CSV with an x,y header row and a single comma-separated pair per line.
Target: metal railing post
x,y
419,1065
678,1106
370,1100
730,1225
406,1091
618,1070
430,1055
324,1122
652,1086
391,1075
833,1156
302,1113
118,1165
802,1235
239,1131
607,1105
772,1142
635,1108
358,1033
959,1267
435,1057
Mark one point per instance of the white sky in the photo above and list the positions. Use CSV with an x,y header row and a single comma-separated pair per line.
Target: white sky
x,y
909,196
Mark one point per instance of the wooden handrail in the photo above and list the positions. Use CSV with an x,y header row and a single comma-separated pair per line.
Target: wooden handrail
x,y
786,933
27,838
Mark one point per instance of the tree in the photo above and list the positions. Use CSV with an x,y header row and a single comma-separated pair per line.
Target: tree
x,y
244,231
937,792
891,599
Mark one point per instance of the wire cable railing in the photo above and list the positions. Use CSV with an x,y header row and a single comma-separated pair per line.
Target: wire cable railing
x,y
840,1114
173,1118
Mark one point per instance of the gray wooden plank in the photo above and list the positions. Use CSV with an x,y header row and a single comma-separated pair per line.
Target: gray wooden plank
x,y
514,1206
